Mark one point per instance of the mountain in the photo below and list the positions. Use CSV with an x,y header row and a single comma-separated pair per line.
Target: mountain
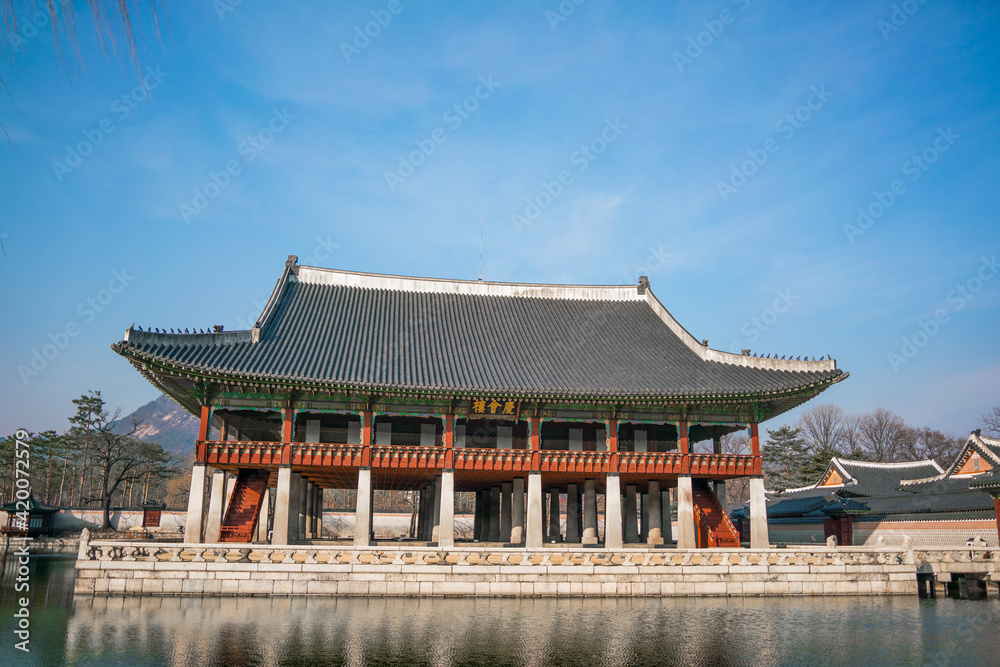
x,y
167,424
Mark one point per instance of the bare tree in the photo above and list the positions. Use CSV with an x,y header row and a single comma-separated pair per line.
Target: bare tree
x,y
929,443
823,427
121,459
883,434
991,422
738,489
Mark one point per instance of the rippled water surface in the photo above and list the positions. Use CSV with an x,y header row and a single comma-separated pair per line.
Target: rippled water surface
x,y
642,631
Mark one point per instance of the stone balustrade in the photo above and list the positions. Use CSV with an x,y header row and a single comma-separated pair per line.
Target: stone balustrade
x,y
152,568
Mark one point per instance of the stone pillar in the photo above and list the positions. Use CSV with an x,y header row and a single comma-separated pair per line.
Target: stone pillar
x,y
303,499
758,514
281,532
555,530
665,516
631,523
213,523
686,539
494,534
196,505
613,512
720,493
436,510
572,514
446,531
654,535
545,519
589,512
421,514
320,506
643,516
265,504
230,487
293,507
506,510
533,538
517,509
363,511
307,529
477,525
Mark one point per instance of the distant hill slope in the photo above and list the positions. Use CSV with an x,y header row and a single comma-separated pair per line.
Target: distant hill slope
x,y
167,424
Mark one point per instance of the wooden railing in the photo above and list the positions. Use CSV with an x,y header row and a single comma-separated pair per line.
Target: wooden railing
x,y
575,462
272,454
512,460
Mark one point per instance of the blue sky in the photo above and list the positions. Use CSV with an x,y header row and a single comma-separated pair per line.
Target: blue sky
x,y
723,149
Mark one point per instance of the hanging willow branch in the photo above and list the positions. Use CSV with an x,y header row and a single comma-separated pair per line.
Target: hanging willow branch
x,y
117,24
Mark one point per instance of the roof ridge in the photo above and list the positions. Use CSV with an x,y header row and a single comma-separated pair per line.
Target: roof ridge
x,y
135,336
889,464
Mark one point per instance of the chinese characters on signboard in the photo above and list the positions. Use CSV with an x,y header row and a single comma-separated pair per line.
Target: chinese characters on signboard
x,y
493,408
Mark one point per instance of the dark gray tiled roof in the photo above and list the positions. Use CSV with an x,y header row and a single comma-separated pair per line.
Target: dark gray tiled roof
x,y
964,501
876,480
991,483
397,338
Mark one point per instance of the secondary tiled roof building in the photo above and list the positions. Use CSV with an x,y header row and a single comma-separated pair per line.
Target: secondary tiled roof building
x,y
934,505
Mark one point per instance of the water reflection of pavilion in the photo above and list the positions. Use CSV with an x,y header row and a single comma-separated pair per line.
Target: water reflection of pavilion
x,y
521,394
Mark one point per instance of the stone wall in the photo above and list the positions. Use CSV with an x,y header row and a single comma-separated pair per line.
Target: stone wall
x,y
925,534
867,533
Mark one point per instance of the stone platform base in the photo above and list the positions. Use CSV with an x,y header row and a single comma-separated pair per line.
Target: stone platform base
x,y
142,568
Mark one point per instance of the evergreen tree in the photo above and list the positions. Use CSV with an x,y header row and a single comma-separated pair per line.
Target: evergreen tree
x,y
785,455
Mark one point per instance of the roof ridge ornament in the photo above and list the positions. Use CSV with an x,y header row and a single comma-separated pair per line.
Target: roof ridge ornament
x,y
643,284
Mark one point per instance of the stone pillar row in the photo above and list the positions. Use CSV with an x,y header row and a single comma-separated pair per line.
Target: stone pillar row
x,y
511,513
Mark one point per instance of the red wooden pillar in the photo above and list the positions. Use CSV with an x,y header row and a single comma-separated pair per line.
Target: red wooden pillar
x,y
201,449
367,417
684,447
612,426
449,442
535,442
755,448
287,431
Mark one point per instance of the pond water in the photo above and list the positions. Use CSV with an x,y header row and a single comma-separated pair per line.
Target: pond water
x,y
495,632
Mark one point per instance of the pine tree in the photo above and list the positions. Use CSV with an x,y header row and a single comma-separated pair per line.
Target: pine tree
x,y
785,456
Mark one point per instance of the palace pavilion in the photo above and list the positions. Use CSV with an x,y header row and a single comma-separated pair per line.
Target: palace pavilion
x,y
554,404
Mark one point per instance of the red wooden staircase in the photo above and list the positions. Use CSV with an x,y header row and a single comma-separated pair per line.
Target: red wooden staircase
x,y
713,526
244,506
